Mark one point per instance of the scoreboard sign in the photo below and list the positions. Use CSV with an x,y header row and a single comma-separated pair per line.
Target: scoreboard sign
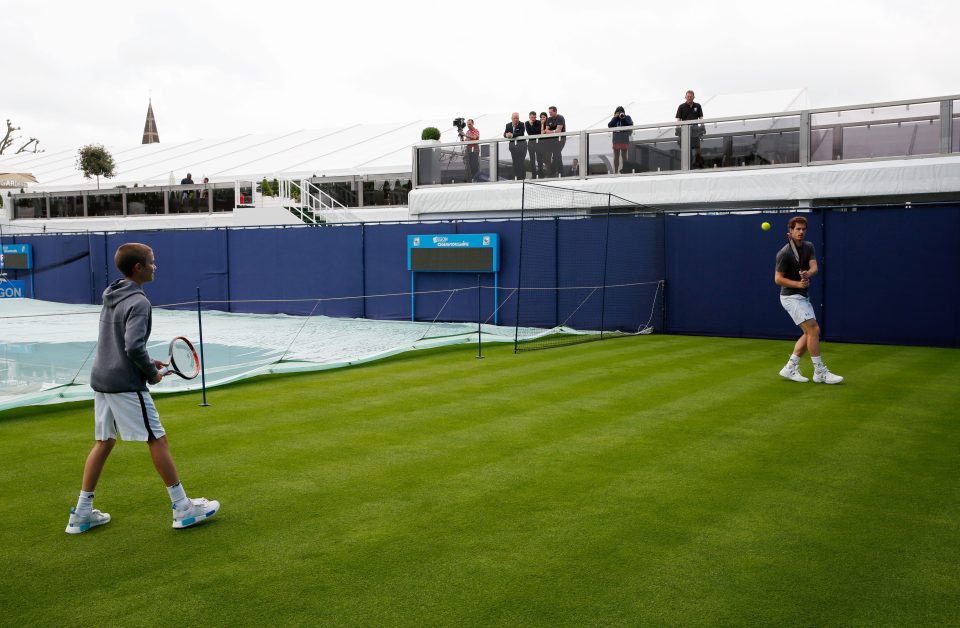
x,y
16,256
454,253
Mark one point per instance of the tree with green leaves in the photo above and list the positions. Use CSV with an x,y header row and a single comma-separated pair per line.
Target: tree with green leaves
x,y
96,161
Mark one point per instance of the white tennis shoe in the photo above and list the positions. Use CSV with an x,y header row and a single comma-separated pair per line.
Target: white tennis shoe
x,y
793,373
824,376
198,510
78,524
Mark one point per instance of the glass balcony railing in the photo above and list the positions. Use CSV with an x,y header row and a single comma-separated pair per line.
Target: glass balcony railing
x,y
880,131
747,142
131,201
872,132
955,141
633,151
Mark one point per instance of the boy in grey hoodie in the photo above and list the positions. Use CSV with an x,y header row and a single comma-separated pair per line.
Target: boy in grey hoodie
x,y
121,370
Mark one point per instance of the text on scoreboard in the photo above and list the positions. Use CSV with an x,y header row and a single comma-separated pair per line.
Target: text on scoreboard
x,y
449,252
16,256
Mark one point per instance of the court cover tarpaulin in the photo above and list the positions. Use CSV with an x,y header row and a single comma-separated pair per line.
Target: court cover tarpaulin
x,y
46,348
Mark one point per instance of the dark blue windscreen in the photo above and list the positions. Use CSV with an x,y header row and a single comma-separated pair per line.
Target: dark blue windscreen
x,y
891,276
720,271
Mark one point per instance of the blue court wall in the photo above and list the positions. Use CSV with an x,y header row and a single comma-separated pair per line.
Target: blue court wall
x,y
892,276
887,275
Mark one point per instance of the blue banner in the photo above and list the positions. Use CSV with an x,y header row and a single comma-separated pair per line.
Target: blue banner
x,y
12,289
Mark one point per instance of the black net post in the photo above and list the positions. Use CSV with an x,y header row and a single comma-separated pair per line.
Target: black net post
x,y
203,363
479,328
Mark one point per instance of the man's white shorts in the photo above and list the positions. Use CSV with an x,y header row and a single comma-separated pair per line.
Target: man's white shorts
x,y
132,413
798,307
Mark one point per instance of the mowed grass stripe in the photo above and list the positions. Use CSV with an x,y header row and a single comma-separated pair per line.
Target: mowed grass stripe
x,y
605,483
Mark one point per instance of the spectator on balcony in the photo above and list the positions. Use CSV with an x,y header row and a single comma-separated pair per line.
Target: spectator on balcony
x,y
621,139
518,150
532,127
472,134
544,146
690,110
575,168
556,123
203,192
188,180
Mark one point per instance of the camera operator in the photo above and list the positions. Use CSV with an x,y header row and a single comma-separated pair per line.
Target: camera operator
x,y
471,135
621,139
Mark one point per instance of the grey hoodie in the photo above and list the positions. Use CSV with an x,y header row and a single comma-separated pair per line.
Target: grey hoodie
x,y
122,363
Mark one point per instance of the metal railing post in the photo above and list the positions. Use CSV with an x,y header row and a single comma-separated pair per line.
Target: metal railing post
x,y
804,138
584,155
946,126
494,160
415,171
685,147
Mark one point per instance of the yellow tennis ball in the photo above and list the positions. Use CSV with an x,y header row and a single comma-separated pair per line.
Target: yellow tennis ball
x,y
765,226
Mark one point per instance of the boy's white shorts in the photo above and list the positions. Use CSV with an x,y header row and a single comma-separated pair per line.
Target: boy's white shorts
x,y
798,307
132,413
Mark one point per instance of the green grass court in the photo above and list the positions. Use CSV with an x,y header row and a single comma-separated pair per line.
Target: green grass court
x,y
654,480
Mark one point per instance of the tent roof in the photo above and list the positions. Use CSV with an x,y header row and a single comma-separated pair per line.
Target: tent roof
x,y
359,149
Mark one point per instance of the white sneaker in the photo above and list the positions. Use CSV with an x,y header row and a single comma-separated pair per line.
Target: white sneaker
x,y
78,524
824,376
793,373
197,511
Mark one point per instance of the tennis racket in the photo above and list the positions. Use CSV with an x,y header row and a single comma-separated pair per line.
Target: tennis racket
x,y
799,256
183,360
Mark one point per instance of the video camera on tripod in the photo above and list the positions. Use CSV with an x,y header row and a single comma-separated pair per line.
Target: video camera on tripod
x,y
459,123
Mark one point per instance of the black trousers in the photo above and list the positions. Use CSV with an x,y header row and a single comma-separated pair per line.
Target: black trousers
x,y
536,159
517,154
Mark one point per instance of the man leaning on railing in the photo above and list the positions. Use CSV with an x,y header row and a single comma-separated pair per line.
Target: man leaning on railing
x,y
518,150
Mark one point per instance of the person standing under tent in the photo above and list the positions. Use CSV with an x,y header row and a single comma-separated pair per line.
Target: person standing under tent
x,y
796,265
121,370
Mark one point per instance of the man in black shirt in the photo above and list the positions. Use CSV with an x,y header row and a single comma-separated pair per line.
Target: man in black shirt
x,y
556,124
690,110
796,265
532,127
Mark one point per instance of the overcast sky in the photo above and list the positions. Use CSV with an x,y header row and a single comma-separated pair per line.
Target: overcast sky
x,y
81,72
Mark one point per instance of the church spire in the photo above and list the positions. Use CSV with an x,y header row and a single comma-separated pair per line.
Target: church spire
x,y
150,135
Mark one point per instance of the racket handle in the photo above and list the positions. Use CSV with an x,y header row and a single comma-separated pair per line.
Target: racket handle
x,y
164,371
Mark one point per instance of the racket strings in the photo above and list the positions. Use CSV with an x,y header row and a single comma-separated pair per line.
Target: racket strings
x,y
183,358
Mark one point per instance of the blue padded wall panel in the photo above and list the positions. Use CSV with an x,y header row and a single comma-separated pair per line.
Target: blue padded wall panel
x,y
509,232
287,270
185,260
385,268
580,262
62,268
720,272
891,276
537,264
634,265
